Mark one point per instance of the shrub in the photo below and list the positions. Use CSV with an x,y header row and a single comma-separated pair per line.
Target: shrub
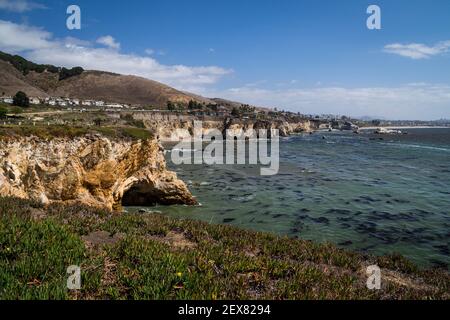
x,y
67,73
21,100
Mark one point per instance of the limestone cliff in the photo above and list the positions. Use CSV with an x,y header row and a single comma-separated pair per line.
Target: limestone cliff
x,y
92,170
166,126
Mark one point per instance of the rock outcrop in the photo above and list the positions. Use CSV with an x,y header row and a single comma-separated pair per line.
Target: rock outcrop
x,y
92,170
174,128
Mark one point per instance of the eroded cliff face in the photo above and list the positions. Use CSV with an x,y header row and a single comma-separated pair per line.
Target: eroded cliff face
x,y
175,128
284,128
92,170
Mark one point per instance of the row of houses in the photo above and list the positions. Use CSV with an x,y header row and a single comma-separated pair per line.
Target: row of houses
x,y
68,102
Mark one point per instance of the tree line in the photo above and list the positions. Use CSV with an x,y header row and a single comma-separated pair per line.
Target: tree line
x,y
25,66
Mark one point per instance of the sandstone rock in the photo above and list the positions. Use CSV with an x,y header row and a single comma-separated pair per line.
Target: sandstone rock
x,y
175,128
93,170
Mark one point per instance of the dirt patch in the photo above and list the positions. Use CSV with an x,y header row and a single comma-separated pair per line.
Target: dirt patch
x,y
37,214
401,280
176,239
100,238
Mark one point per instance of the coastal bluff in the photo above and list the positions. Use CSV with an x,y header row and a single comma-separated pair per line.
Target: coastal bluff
x,y
172,127
93,170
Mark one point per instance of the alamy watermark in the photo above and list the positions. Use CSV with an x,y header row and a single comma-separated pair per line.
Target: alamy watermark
x,y
73,22
374,20
251,146
74,279
374,277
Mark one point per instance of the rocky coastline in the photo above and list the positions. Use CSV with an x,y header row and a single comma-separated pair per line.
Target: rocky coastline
x,y
171,128
101,171
93,170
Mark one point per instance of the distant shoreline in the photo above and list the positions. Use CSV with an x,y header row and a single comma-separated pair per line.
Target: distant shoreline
x,y
405,127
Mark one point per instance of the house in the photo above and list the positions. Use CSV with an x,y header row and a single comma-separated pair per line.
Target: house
x,y
99,103
87,103
8,100
34,100
222,111
114,105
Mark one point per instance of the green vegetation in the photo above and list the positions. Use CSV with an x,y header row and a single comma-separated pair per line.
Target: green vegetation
x,y
98,121
194,105
171,106
131,121
150,256
243,110
64,131
25,66
16,110
21,100
3,112
67,73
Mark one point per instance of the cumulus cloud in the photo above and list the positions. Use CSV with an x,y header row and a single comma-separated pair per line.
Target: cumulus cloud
x,y
109,41
418,50
426,101
39,45
19,5
15,38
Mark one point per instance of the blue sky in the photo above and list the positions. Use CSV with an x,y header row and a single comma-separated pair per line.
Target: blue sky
x,y
308,56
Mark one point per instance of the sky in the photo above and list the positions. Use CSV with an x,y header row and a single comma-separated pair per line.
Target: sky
x,y
310,56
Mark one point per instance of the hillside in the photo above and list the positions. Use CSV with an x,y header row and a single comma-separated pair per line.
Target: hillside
x,y
11,81
119,88
16,74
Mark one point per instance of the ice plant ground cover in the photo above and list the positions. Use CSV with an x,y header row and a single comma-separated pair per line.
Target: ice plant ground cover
x,y
149,256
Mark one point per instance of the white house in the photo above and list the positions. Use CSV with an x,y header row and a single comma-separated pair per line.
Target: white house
x,y
114,105
34,100
99,103
8,100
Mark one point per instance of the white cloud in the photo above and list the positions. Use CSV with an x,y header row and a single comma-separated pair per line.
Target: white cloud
x,y
39,45
15,38
417,50
152,52
19,5
403,102
109,41
76,42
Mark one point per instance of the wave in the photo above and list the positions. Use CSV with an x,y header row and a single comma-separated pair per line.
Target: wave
x,y
418,146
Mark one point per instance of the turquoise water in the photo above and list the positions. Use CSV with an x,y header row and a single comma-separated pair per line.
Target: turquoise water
x,y
357,191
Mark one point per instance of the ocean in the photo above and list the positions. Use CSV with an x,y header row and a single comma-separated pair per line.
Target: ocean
x,y
364,192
